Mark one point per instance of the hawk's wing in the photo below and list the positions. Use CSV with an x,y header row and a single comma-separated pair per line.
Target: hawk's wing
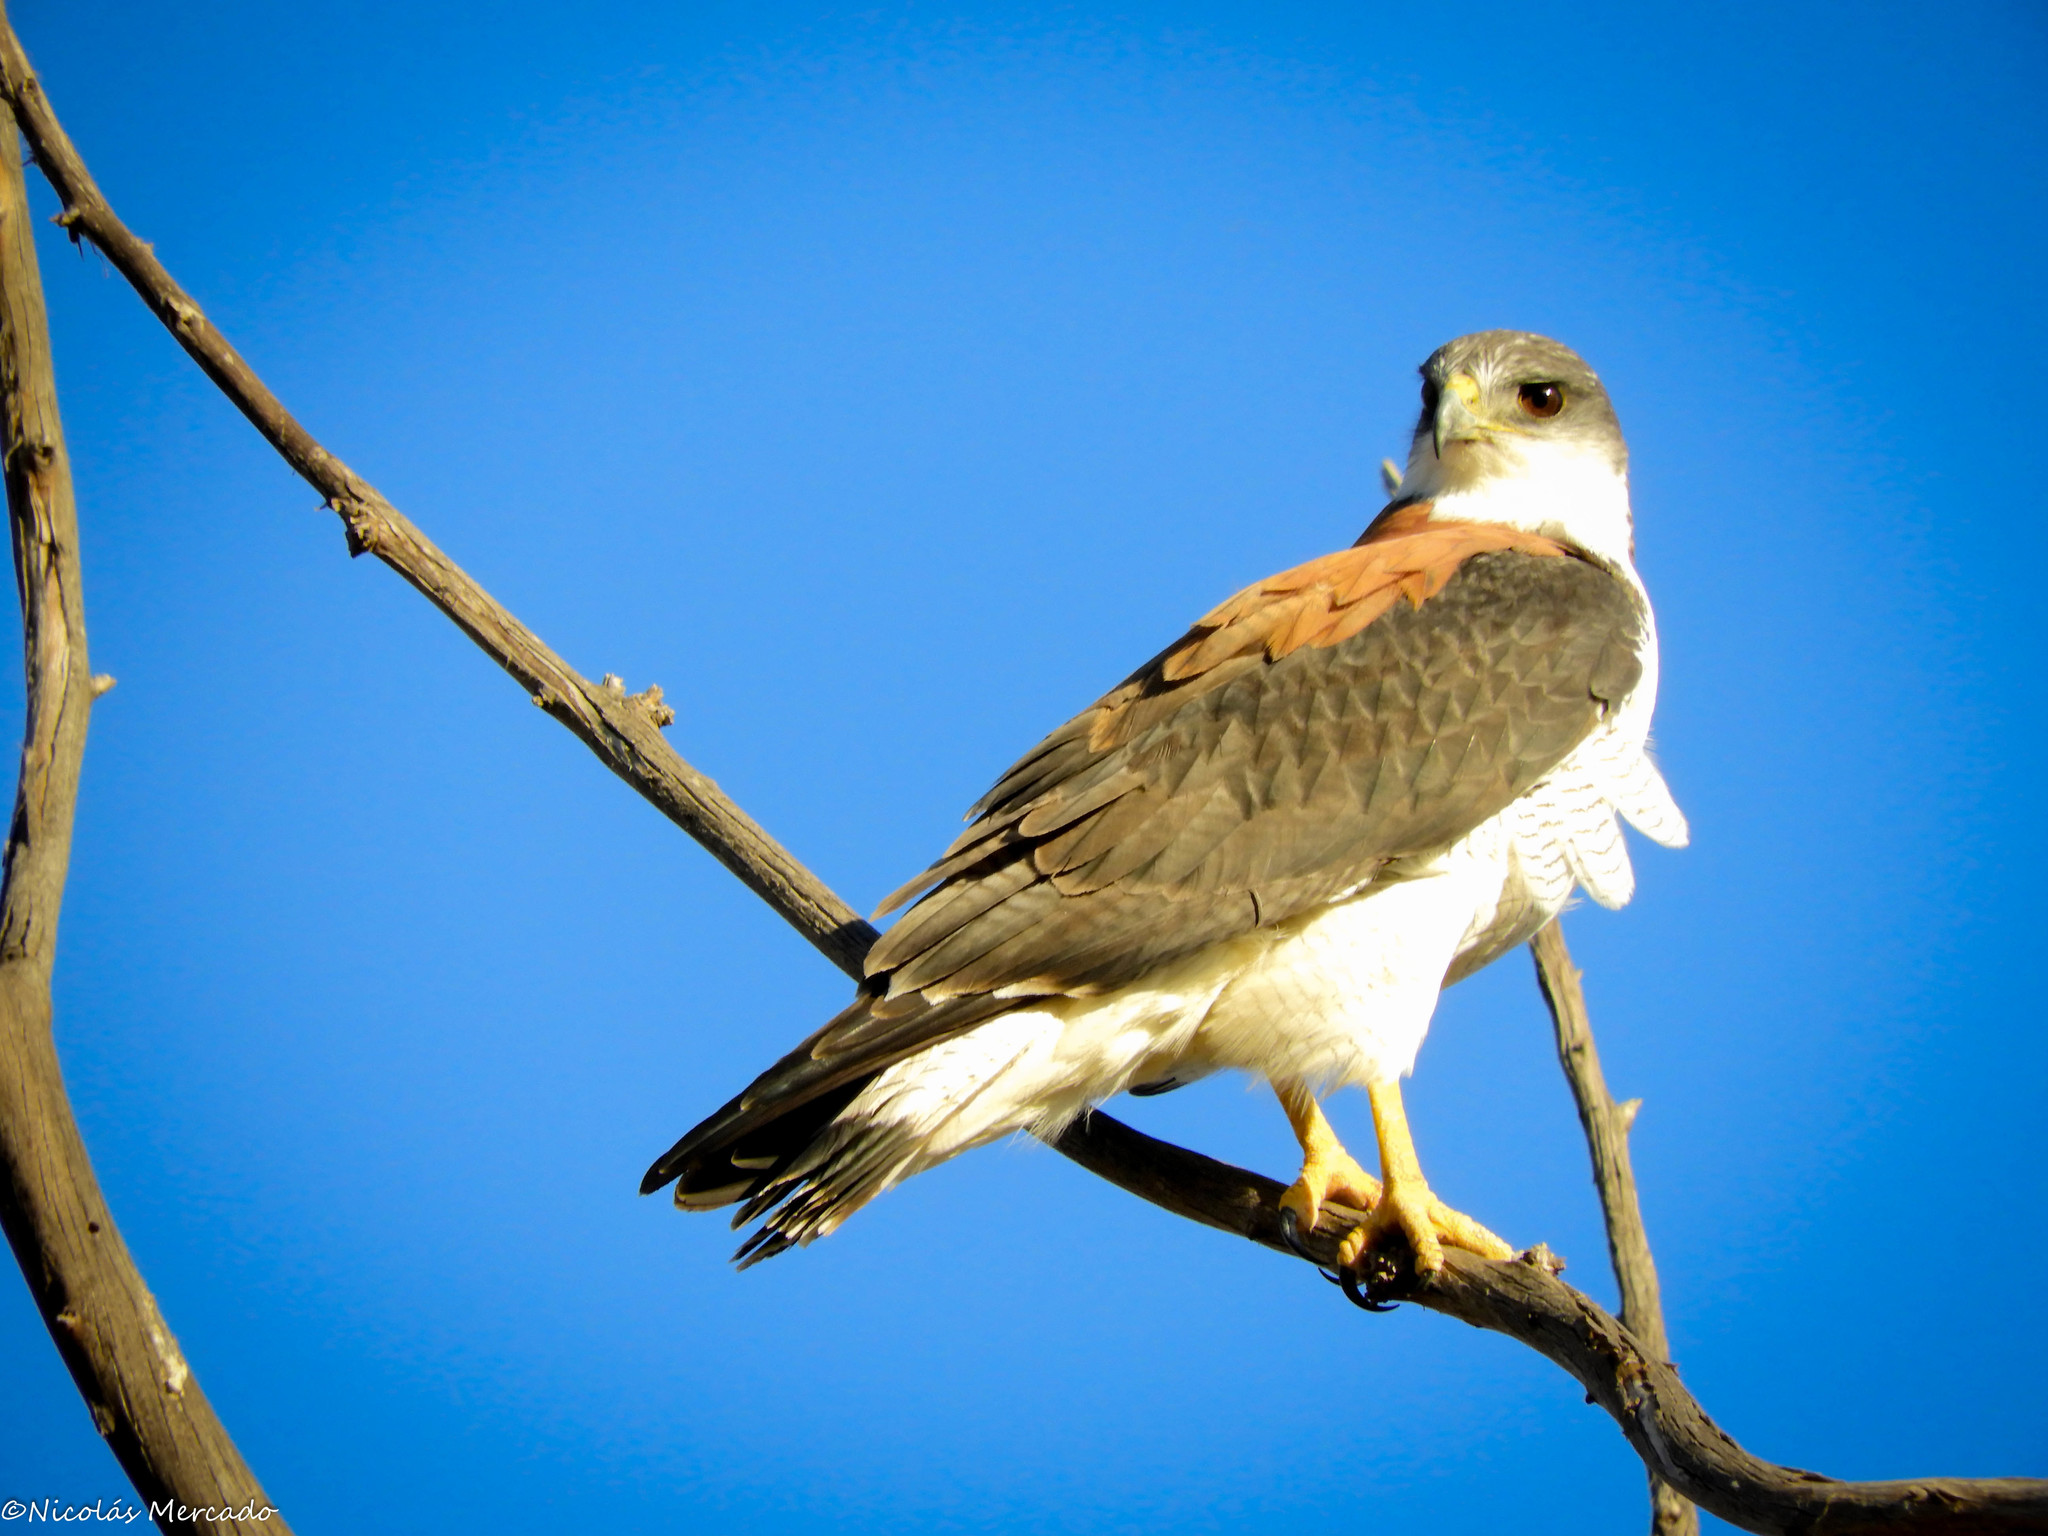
x,y
1375,704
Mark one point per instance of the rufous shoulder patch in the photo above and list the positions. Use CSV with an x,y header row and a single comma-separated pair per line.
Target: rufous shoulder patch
x,y
1404,554
1328,600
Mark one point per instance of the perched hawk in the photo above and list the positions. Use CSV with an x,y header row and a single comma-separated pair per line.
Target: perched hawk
x,y
1271,846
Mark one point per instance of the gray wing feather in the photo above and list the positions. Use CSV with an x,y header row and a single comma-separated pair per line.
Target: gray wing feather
x,y
1245,801
1225,801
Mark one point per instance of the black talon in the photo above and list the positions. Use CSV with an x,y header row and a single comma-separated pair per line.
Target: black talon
x,y
1384,1274
1364,1299
1290,1233
1378,1282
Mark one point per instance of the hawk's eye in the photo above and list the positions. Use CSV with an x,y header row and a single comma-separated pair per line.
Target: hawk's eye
x,y
1430,395
1541,400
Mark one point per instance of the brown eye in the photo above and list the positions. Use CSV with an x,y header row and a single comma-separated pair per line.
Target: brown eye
x,y
1430,396
1541,400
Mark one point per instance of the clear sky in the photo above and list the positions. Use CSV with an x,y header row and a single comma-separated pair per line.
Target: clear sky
x,y
886,381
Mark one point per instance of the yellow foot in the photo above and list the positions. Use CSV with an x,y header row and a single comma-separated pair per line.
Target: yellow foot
x,y
1424,1223
1329,1173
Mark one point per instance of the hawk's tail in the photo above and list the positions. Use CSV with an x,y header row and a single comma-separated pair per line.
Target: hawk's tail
x,y
801,1174
759,1168
785,1151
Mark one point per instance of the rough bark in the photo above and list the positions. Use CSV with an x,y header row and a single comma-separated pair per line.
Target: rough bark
x,y
1606,1124
142,1395
1520,1298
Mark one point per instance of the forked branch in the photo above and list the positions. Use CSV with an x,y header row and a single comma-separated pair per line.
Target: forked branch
x,y
1522,1299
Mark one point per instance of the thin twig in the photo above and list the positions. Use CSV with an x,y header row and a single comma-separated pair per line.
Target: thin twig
x,y
1606,1125
1520,1299
120,1351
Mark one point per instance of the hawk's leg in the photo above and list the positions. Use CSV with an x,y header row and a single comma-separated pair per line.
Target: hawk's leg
x,y
1406,1205
1327,1170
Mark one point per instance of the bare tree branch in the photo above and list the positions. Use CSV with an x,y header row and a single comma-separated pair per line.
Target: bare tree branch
x,y
120,1351
1519,1298
1606,1124
623,730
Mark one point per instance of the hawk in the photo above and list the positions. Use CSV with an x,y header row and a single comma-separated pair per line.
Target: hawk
x,y
1270,847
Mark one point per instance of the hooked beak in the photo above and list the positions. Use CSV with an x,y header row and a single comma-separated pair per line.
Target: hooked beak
x,y
1456,420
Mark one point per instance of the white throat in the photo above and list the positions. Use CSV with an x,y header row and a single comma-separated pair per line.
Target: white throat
x,y
1557,489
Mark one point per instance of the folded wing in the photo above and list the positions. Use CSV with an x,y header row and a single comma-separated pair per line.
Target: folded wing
x,y
1371,706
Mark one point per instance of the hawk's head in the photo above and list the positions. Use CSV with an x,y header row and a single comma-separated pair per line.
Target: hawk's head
x,y
1515,428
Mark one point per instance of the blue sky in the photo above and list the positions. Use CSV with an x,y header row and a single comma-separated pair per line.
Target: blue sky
x,y
884,382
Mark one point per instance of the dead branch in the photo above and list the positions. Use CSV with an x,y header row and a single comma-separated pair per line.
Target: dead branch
x,y
1519,1298
623,730
106,1325
1606,1125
